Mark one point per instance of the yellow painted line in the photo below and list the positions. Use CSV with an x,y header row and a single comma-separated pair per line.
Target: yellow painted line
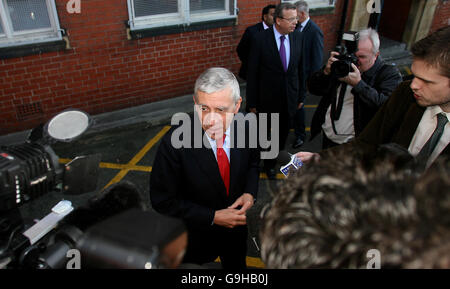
x,y
125,167
311,106
104,165
139,156
252,262
149,145
255,262
306,129
407,70
279,176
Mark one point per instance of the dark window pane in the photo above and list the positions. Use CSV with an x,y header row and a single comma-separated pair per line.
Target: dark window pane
x,y
206,5
28,14
1,29
155,7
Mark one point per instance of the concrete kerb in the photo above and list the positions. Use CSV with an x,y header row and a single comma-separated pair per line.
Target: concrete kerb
x,y
153,114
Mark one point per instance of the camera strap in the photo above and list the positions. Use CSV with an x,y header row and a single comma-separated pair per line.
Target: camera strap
x,y
335,112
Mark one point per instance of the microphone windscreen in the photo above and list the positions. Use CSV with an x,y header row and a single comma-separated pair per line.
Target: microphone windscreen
x,y
284,157
114,200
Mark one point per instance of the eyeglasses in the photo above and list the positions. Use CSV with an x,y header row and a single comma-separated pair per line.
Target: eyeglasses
x,y
291,20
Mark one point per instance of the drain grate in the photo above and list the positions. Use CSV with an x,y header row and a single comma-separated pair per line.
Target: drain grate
x,y
29,110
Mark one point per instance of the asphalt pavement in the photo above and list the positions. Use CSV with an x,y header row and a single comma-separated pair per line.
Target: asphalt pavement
x,y
127,141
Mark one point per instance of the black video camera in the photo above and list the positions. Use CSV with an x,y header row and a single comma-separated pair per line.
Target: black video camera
x,y
343,66
113,231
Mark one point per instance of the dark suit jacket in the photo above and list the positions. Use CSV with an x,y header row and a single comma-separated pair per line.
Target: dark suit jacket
x,y
395,122
186,183
371,92
243,48
269,88
312,49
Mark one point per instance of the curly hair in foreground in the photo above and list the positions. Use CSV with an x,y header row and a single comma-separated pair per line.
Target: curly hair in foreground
x,y
334,211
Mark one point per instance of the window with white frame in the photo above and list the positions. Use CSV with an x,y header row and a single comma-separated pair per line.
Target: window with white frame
x,y
28,21
159,13
316,3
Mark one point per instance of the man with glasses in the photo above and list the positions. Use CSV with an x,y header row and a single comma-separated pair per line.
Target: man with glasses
x,y
273,78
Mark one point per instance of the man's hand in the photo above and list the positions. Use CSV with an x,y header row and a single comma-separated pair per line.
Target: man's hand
x,y
327,69
230,218
300,105
245,201
353,78
306,157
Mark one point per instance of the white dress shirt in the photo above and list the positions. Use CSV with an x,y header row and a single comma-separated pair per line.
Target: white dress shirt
x,y
287,45
226,144
303,24
424,131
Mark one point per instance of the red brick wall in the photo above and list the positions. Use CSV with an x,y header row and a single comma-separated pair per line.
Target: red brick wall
x,y
330,24
104,71
441,16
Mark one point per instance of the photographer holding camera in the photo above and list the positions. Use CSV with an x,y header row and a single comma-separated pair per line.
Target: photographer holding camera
x,y
353,84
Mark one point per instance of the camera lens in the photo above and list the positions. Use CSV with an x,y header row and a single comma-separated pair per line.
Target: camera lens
x,y
340,68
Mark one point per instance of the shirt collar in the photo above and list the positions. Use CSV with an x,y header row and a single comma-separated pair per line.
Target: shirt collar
x,y
436,109
371,72
303,24
278,34
226,142
265,25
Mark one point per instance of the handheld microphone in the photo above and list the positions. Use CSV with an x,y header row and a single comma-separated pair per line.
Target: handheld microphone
x,y
292,163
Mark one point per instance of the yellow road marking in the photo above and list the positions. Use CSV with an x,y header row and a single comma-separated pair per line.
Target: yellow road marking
x,y
279,176
104,165
148,169
252,262
306,129
255,262
131,166
408,70
311,106
139,156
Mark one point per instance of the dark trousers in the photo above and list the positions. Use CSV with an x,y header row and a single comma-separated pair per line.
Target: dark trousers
x,y
204,246
299,123
283,132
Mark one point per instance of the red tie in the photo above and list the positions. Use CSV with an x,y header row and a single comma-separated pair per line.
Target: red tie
x,y
224,164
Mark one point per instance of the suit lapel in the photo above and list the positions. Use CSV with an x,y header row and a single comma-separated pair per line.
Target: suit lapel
x,y
408,128
273,46
208,164
260,26
235,164
293,49
308,25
